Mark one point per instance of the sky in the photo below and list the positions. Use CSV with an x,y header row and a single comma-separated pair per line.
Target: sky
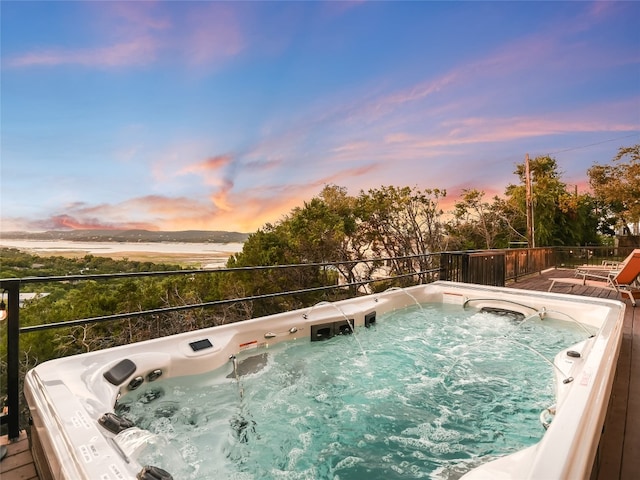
x,y
178,115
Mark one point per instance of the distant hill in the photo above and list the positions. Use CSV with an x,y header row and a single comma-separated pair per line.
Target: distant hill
x,y
187,236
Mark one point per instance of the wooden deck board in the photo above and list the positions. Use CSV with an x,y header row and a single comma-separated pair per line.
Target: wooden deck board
x,y
619,451
18,464
612,442
631,450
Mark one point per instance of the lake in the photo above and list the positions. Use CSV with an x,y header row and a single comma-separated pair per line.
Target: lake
x,y
206,255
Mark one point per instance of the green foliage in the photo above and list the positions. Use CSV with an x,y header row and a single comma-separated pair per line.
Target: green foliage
x,y
480,225
335,227
560,217
81,299
402,221
15,263
616,187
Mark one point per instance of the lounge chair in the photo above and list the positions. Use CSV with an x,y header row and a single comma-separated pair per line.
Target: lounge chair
x,y
623,281
604,271
606,264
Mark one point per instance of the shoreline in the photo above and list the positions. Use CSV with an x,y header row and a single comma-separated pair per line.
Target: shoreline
x,y
202,255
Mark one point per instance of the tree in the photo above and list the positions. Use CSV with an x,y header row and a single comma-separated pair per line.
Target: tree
x,y
579,212
479,224
402,221
560,217
617,186
269,245
335,227
547,189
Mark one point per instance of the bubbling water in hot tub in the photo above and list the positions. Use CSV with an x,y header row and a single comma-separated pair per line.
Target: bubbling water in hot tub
x,y
419,404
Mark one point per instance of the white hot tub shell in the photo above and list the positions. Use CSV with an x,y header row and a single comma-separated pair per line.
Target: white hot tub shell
x,y
68,396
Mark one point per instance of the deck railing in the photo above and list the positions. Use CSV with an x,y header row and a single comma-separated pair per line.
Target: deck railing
x,y
495,267
488,267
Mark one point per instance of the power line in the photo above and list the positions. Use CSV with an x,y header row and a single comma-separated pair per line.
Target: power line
x,y
594,144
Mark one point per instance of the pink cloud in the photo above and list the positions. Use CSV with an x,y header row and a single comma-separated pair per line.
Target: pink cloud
x,y
139,33
404,105
251,208
73,223
214,34
420,91
132,17
351,147
211,163
221,198
140,51
550,47
258,207
139,212
338,8
156,212
601,8
493,130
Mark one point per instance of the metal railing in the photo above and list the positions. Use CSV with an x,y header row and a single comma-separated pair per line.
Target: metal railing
x,y
489,267
576,256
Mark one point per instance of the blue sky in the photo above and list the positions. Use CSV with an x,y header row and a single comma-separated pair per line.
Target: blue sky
x,y
225,115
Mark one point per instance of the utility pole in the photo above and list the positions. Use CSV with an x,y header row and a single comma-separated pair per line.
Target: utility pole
x,y
529,203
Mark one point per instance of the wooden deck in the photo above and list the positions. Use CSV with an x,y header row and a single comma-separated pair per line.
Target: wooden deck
x,y
619,452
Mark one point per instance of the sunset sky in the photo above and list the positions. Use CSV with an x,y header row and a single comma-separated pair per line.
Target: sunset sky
x,y
223,116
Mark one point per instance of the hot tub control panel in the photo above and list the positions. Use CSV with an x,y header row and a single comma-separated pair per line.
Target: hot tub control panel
x,y
200,344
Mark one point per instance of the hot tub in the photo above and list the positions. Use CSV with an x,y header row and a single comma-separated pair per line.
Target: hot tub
x,y
81,432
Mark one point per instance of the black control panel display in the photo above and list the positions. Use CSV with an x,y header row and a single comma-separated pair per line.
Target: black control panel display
x,y
200,345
